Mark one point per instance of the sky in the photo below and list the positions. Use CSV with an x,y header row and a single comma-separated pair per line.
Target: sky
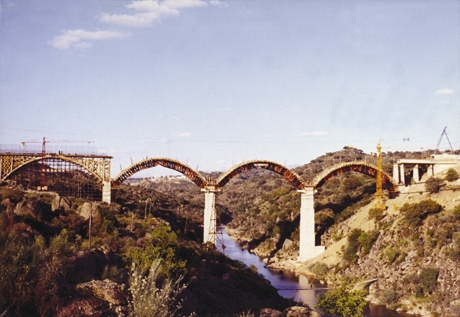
x,y
215,83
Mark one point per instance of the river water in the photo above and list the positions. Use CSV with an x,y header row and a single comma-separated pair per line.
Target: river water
x,y
290,286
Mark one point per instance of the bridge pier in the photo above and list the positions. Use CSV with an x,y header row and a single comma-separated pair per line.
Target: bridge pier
x,y
307,248
106,191
210,217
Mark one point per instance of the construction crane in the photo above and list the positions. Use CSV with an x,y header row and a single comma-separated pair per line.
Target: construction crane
x,y
378,183
444,132
42,170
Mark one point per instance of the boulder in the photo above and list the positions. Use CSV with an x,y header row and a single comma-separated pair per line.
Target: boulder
x,y
60,203
298,311
111,292
80,307
29,208
269,312
86,209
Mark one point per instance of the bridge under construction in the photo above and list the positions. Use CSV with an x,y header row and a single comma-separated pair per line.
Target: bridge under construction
x,y
89,175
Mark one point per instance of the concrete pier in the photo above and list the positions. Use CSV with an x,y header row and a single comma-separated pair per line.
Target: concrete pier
x,y
307,248
210,223
106,191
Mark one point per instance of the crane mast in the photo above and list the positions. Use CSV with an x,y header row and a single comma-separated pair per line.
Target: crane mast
x,y
378,182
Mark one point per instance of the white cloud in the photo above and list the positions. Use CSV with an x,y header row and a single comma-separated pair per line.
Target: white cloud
x,y
79,38
218,3
185,135
149,12
165,140
6,6
445,91
314,133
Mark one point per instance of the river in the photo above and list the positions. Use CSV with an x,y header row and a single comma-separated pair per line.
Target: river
x,y
291,286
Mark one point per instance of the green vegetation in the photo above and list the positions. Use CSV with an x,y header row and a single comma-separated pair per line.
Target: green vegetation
x,y
340,302
162,244
45,255
451,175
429,279
358,240
433,185
376,213
320,269
29,269
416,212
152,294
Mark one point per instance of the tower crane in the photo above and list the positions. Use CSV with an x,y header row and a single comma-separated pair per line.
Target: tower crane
x,y
378,183
42,170
444,132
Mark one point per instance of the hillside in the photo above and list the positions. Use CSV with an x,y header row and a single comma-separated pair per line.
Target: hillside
x,y
415,259
395,246
51,266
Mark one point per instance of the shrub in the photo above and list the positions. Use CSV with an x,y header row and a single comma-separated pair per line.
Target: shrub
x,y
457,212
376,213
342,303
391,255
416,212
151,294
389,298
451,175
163,245
453,254
349,251
366,241
433,185
429,279
319,269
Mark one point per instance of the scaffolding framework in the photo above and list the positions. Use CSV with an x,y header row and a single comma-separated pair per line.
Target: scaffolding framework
x,y
71,175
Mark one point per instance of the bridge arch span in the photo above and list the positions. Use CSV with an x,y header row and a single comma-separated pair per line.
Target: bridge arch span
x,y
288,174
91,168
362,167
194,176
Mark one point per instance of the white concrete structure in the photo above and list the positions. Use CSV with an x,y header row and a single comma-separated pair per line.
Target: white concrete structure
x,y
423,168
307,248
106,191
210,217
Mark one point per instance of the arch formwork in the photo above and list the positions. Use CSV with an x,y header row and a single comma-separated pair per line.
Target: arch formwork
x,y
307,247
288,174
188,172
97,166
361,167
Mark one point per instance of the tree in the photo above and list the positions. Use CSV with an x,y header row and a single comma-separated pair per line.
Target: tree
x,y
433,185
451,175
341,303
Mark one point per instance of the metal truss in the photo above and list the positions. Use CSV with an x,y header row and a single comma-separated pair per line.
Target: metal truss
x,y
97,165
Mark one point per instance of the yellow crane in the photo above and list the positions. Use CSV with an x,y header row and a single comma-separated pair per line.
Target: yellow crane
x,y
378,181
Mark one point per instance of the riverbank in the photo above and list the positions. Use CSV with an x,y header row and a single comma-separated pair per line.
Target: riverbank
x,y
302,278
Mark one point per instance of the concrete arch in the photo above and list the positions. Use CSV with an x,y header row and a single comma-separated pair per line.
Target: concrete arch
x,y
362,167
288,174
194,176
34,159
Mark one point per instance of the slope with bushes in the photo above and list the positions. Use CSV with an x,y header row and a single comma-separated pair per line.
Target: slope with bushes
x,y
51,266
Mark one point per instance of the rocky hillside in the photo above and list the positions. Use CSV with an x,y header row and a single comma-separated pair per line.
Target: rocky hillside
x,y
51,267
412,249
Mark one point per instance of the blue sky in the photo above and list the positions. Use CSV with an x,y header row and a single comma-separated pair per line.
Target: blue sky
x,y
214,83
